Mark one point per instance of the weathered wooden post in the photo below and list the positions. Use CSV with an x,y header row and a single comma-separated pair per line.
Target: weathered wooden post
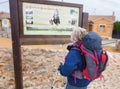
x,y
84,20
16,44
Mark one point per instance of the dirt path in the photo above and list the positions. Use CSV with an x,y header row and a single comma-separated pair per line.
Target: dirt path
x,y
5,42
8,42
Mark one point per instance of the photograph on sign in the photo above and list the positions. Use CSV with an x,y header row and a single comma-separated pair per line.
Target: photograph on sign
x,y
43,19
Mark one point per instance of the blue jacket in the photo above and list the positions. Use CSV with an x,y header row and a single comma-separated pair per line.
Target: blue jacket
x,y
73,62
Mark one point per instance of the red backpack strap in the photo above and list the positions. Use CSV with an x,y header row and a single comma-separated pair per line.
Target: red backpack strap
x,y
74,77
84,51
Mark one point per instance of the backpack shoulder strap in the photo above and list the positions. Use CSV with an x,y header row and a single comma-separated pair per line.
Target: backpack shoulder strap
x,y
85,51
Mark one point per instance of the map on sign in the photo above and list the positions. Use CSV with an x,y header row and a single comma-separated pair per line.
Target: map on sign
x,y
42,19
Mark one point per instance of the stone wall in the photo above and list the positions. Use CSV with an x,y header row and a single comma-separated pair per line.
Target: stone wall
x,y
40,70
6,68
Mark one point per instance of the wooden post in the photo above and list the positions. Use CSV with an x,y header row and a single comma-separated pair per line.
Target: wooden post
x,y
14,13
84,20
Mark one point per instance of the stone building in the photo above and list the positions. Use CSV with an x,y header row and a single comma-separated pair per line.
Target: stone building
x,y
103,25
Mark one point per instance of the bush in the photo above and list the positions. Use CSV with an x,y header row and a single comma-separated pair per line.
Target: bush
x,y
116,25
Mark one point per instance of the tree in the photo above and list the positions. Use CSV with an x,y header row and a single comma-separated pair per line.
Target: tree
x,y
117,25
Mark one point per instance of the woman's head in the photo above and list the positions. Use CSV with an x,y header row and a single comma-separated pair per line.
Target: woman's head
x,y
77,34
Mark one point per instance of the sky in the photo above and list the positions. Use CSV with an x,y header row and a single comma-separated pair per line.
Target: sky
x,y
93,7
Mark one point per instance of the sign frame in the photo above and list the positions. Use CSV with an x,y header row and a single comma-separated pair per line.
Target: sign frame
x,y
45,39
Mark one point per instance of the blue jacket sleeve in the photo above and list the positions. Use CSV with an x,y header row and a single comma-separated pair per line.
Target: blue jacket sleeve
x,y
71,62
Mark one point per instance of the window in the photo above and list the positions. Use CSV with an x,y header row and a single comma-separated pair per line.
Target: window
x,y
102,27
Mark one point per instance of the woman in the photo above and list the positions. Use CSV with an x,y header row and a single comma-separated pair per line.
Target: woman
x,y
74,62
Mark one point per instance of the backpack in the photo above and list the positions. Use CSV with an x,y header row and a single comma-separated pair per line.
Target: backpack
x,y
94,64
